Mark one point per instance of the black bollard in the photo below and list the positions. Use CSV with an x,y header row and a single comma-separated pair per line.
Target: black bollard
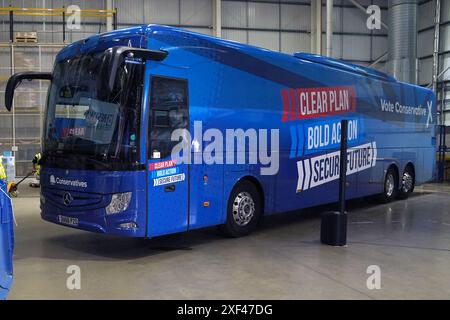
x,y
334,223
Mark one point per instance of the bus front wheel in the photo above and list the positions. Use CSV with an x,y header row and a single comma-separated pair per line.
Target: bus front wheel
x,y
243,210
390,188
407,183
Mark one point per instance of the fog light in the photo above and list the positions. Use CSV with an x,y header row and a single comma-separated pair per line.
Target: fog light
x,y
119,203
128,225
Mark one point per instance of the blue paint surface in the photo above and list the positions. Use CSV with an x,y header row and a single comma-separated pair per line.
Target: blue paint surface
x,y
6,242
231,86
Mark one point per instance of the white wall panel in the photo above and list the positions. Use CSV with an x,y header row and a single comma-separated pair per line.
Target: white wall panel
x,y
295,42
425,43
425,71
263,15
337,19
356,47
161,11
196,12
444,64
295,17
379,47
235,35
354,20
425,15
445,11
445,38
264,39
336,51
234,14
131,11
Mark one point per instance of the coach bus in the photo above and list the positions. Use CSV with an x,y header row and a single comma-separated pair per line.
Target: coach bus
x,y
153,130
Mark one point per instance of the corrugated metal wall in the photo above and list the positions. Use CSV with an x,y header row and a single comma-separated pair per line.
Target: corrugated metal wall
x,y
425,40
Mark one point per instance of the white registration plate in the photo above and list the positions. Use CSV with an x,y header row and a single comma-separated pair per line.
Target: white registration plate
x,y
68,220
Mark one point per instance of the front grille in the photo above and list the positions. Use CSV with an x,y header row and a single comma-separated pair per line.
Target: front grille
x,y
72,200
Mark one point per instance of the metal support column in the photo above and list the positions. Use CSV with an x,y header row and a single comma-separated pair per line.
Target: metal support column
x,y
109,18
329,30
217,18
316,27
437,21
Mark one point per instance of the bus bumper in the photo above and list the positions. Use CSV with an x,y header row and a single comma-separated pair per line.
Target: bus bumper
x,y
129,223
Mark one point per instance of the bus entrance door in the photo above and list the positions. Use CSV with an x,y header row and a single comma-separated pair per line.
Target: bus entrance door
x,y
168,178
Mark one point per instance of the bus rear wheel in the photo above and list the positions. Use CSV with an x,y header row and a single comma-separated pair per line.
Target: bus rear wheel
x,y
390,186
407,183
243,210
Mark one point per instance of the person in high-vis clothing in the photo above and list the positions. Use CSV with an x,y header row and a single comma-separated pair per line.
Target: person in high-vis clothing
x,y
2,172
37,170
6,241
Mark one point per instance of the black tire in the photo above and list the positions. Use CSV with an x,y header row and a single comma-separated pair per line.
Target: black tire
x,y
407,183
390,186
244,210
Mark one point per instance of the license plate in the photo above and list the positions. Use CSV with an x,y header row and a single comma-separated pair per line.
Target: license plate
x,y
68,220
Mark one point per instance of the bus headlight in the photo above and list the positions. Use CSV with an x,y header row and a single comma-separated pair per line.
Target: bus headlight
x,y
119,203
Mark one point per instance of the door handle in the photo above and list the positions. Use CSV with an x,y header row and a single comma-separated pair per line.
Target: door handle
x,y
170,188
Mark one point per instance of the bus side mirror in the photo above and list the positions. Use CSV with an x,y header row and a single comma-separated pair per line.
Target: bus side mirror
x,y
118,55
16,79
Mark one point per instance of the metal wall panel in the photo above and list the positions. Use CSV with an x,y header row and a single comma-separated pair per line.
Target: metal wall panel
x,y
295,17
263,15
161,12
379,47
265,39
131,11
196,12
235,35
445,10
295,42
234,14
425,15
425,43
425,71
444,64
354,20
445,38
337,19
356,48
336,51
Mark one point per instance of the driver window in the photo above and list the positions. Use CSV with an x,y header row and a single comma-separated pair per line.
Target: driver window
x,y
168,112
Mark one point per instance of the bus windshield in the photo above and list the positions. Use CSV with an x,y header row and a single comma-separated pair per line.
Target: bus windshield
x,y
89,126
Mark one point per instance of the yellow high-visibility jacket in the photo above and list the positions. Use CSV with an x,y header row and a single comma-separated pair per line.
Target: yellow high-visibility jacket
x,y
2,171
36,162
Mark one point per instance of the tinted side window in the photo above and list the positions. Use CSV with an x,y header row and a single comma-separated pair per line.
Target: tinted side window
x,y
168,112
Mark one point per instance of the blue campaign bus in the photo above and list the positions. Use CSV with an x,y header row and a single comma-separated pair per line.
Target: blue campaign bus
x,y
256,132
6,241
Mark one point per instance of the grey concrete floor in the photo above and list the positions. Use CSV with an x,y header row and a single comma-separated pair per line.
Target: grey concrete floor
x,y
409,240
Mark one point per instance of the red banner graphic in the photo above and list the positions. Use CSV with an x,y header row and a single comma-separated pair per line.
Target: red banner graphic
x,y
162,165
307,103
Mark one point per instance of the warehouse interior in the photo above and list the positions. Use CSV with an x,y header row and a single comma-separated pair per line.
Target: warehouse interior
x,y
283,259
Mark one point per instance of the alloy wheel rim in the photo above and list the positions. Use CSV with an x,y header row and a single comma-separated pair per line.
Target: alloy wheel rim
x,y
407,182
390,185
243,209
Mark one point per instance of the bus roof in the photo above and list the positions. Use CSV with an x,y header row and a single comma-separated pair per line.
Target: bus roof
x,y
151,30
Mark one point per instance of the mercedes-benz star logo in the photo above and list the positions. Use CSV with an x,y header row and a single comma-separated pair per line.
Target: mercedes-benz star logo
x,y
67,198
